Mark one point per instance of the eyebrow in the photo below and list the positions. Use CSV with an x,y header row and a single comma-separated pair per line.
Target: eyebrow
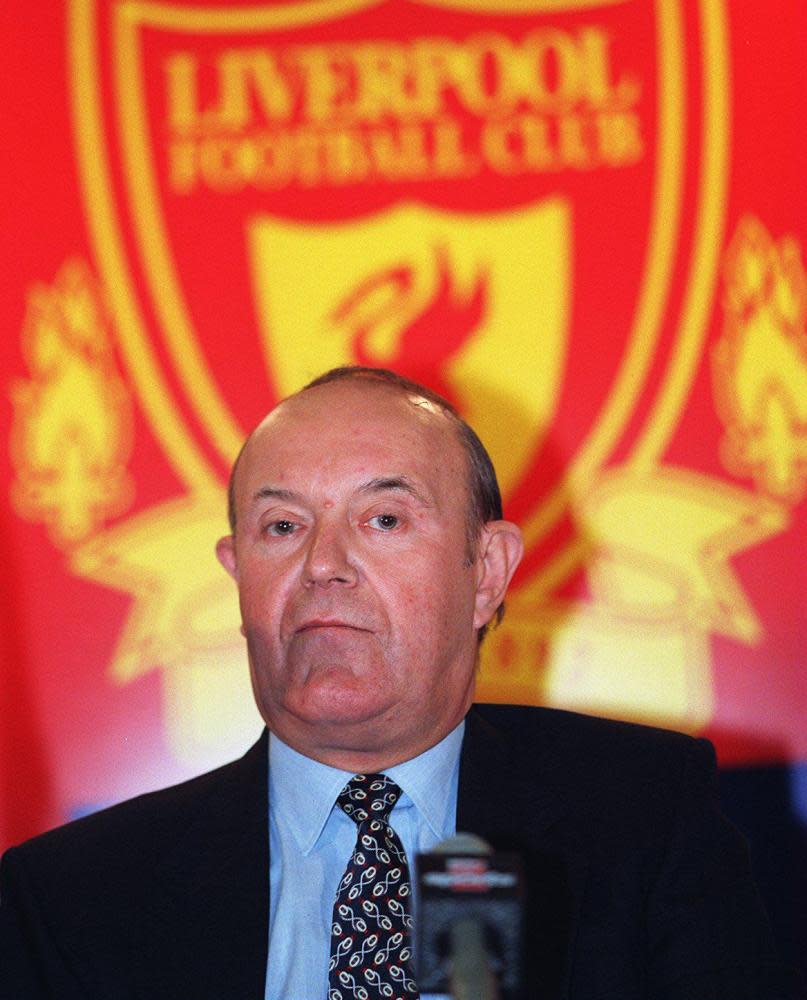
x,y
400,484
382,484
276,493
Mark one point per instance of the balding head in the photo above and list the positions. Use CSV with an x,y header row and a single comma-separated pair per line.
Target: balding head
x,y
484,502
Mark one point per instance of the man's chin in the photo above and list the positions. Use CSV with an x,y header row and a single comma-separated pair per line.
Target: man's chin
x,y
337,696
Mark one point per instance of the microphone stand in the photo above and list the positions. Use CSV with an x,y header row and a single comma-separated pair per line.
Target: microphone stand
x,y
471,976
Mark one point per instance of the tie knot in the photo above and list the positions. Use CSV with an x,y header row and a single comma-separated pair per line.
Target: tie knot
x,y
369,796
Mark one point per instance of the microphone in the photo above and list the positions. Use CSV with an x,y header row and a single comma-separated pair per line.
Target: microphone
x,y
469,905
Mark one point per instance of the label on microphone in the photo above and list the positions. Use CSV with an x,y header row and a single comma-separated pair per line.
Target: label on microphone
x,y
454,888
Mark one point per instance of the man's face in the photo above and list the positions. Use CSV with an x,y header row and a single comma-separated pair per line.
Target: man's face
x,y
359,605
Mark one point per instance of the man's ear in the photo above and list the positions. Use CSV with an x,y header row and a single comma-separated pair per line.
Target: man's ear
x,y
225,553
500,548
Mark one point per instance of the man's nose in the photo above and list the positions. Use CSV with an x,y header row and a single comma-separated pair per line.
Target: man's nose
x,y
328,558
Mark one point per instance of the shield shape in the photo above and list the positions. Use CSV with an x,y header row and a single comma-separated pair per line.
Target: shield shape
x,y
433,294
301,185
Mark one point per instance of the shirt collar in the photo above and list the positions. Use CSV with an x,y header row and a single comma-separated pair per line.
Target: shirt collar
x,y
303,791
430,782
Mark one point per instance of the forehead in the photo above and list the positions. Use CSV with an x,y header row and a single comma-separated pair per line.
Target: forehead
x,y
340,434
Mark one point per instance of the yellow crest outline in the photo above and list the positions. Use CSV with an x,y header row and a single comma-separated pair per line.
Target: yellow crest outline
x,y
175,436
684,636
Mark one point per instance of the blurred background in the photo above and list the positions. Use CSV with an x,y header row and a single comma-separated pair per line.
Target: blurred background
x,y
582,222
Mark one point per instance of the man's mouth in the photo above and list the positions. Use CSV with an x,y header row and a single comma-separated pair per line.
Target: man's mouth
x,y
328,623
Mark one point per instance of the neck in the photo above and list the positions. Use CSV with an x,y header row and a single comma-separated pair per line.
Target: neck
x,y
361,758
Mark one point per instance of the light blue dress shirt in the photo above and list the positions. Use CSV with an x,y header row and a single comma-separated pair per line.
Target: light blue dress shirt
x,y
311,840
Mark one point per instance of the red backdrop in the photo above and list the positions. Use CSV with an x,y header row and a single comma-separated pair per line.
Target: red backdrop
x,y
583,222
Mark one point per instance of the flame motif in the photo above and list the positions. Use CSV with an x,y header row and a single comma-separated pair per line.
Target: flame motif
x,y
427,344
72,429
760,362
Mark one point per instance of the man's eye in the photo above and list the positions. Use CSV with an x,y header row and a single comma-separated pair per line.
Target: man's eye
x,y
281,527
385,522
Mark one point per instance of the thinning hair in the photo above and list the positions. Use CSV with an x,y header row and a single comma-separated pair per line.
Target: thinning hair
x,y
482,486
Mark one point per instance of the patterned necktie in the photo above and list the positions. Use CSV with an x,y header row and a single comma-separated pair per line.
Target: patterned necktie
x,y
370,933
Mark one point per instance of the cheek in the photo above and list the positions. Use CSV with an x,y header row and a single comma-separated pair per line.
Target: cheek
x,y
261,597
434,605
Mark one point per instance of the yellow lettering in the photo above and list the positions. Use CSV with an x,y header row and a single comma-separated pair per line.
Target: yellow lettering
x,y
335,114
500,142
247,82
595,59
308,152
619,138
486,74
267,160
383,81
326,81
572,145
182,166
539,152
557,78
219,165
181,70
246,75
347,161
400,154
450,157
432,60
484,83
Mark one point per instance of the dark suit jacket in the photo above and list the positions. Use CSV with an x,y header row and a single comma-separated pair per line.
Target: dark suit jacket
x,y
638,887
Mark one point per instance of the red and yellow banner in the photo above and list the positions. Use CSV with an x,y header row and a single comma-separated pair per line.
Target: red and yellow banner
x,y
583,222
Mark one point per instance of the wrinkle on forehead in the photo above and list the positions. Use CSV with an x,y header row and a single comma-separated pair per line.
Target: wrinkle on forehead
x,y
378,486
350,396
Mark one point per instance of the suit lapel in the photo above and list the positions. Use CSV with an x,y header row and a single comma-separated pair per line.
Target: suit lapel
x,y
513,793
211,894
210,897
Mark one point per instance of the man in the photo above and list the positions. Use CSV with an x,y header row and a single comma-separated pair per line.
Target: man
x,y
370,555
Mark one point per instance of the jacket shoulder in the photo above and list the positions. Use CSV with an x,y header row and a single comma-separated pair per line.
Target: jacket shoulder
x,y
143,826
530,725
591,761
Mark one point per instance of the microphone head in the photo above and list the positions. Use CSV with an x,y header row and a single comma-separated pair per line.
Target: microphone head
x,y
463,843
460,883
